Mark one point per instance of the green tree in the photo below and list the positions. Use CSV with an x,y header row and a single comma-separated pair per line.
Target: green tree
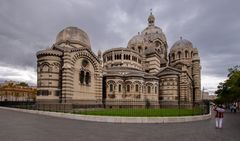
x,y
229,91
23,84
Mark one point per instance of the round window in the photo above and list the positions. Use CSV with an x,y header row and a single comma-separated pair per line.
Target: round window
x,y
84,63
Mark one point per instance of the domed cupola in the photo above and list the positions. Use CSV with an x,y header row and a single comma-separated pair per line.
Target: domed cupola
x,y
136,41
73,35
181,45
181,50
151,20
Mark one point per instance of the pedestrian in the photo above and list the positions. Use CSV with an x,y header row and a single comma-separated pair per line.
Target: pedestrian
x,y
231,108
234,108
219,115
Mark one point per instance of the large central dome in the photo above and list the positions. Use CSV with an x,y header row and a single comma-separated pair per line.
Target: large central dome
x,y
73,35
151,37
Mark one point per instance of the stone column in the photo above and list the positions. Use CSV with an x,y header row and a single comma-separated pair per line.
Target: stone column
x,y
98,83
196,76
67,78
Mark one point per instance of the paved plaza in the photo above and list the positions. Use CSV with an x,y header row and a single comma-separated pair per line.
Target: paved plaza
x,y
18,126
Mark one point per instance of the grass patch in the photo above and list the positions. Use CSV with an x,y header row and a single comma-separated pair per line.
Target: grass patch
x,y
164,112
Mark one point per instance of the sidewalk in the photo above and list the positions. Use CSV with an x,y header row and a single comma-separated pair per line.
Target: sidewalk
x,y
19,126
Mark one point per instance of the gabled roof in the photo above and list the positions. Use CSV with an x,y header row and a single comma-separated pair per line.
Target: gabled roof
x,y
181,63
168,71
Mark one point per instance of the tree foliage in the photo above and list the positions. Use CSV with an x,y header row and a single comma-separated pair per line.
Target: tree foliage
x,y
23,84
229,91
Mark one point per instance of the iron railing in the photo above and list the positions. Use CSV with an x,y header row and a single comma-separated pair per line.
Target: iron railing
x,y
118,107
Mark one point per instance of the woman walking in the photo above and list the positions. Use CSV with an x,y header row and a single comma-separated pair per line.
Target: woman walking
x,y
219,116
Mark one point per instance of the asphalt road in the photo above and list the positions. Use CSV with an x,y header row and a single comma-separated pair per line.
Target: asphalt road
x,y
18,126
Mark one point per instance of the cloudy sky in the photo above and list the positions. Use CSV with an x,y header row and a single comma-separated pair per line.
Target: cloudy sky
x,y
27,26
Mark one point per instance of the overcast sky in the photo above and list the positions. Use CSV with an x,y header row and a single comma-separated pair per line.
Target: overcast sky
x,y
27,26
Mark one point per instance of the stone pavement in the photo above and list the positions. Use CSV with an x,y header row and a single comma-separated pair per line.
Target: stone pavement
x,y
18,126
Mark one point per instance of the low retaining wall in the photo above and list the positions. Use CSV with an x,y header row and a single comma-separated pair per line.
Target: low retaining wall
x,y
115,119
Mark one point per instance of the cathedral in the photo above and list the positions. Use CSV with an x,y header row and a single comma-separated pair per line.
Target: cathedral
x,y
70,72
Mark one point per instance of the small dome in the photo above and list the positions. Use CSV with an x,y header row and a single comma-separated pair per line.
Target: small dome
x,y
136,40
151,19
182,43
73,35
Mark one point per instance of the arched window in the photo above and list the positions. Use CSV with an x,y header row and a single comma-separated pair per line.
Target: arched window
x,y
128,88
149,89
157,43
139,49
155,89
133,48
186,54
136,87
119,87
120,56
45,68
179,55
81,78
87,78
111,87
191,54
173,56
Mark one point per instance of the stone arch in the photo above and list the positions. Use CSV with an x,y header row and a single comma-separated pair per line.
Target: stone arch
x,y
119,82
137,86
149,87
56,67
128,86
111,82
80,55
44,67
111,85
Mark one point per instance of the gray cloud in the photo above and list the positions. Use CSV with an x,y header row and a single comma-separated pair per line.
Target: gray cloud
x,y
27,26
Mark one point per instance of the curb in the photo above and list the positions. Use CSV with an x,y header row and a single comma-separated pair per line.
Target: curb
x,y
115,119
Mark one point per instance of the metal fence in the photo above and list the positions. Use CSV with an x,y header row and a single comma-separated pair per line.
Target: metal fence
x,y
120,107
